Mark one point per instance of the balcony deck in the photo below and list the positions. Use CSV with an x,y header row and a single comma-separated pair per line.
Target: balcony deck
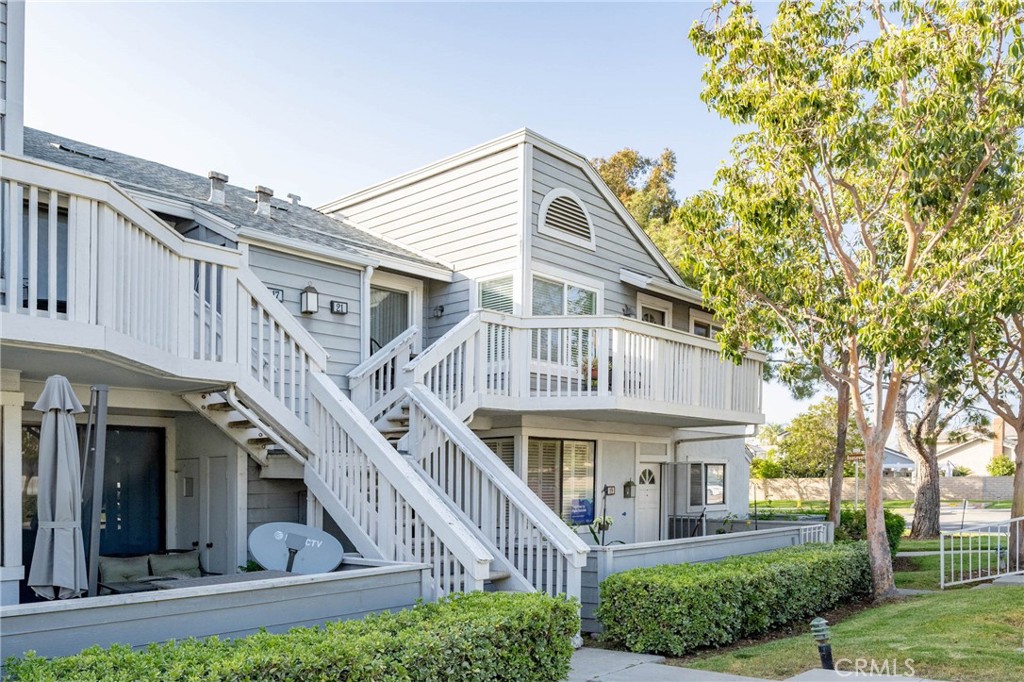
x,y
593,367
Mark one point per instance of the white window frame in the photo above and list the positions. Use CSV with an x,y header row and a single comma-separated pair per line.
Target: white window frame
x,y
707,318
407,285
580,282
647,301
560,235
477,282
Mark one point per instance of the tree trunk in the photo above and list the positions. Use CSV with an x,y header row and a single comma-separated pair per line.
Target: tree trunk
x,y
835,491
926,499
883,584
1017,508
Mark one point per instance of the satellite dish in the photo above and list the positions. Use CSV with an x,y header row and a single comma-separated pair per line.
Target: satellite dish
x,y
295,548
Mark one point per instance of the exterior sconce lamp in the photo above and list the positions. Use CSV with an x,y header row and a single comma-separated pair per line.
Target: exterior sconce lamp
x,y
438,311
309,300
628,489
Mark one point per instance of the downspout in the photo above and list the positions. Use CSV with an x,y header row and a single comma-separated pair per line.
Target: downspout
x,y
364,312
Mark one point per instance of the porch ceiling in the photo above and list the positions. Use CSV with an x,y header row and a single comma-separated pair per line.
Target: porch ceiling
x,y
80,368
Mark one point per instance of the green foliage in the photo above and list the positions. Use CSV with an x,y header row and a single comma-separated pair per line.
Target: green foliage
x,y
809,445
480,636
642,184
1001,465
766,467
853,527
961,470
677,608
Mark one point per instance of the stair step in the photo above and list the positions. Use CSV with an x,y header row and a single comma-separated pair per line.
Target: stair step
x,y
219,407
240,424
495,576
261,441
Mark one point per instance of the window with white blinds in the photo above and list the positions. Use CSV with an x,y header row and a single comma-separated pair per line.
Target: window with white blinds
x,y
496,294
505,449
561,473
560,298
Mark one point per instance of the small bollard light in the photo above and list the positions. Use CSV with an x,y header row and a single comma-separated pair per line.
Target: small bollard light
x,y
819,629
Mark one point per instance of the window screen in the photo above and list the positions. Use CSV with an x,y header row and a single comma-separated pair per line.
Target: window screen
x,y
696,485
547,297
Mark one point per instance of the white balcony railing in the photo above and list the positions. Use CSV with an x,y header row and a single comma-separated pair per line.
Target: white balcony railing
x,y
581,362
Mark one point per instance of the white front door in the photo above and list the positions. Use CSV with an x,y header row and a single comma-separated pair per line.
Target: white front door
x,y
648,502
203,505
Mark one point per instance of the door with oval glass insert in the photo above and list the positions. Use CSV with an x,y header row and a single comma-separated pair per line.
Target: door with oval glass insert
x,y
648,503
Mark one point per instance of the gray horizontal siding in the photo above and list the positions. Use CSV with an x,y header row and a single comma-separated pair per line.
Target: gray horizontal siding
x,y
273,499
617,247
339,334
137,619
466,216
455,297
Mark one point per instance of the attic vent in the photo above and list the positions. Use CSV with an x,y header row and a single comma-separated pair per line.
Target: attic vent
x,y
76,152
563,216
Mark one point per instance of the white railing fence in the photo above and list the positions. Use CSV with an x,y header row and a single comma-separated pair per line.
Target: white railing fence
x,y
377,385
543,549
396,510
513,362
981,552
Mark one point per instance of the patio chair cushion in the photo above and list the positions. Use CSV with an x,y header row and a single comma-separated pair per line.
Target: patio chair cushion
x,y
123,569
176,564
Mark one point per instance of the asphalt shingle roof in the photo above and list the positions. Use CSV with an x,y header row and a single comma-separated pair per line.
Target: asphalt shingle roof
x,y
290,221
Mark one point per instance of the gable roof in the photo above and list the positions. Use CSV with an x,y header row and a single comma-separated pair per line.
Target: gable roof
x,y
288,223
521,136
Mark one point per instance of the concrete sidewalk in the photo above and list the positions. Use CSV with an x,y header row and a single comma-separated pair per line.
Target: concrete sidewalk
x,y
606,665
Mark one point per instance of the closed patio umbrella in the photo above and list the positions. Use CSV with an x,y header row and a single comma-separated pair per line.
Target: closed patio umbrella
x,y
58,563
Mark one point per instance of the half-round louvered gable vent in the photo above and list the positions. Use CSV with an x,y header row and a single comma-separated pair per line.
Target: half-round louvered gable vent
x,y
564,216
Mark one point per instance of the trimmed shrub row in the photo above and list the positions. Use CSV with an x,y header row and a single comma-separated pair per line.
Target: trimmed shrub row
x,y
853,526
675,609
479,636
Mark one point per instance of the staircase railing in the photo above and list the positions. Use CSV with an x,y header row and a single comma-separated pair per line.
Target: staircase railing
x,y
981,552
385,497
545,551
376,385
449,367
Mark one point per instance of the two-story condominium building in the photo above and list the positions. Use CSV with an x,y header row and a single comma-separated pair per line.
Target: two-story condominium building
x,y
456,373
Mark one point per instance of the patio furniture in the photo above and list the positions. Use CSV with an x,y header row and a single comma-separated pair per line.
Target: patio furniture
x,y
251,576
122,575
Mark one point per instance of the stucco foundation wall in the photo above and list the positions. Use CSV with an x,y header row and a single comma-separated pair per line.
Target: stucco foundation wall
x,y
986,488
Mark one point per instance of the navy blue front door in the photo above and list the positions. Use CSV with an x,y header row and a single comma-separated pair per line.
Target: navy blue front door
x,y
132,521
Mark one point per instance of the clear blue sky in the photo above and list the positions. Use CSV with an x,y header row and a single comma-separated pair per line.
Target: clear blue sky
x,y
323,99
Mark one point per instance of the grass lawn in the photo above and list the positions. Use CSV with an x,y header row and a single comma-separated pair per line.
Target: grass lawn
x,y
907,545
960,636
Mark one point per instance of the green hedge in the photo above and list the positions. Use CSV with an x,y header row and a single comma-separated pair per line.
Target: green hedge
x,y
678,608
853,526
476,637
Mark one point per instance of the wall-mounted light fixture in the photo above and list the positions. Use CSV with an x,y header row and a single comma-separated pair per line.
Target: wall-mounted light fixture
x,y
309,300
628,489
438,311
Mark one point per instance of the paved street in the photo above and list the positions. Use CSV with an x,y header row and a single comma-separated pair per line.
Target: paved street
x,y
950,518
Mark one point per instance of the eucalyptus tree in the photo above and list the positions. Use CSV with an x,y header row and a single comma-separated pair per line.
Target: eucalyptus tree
x,y
878,144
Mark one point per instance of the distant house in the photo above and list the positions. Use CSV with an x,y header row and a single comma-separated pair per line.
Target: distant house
x,y
977,449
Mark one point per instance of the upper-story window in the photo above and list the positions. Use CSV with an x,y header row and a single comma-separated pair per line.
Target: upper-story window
x,y
564,216
496,294
562,298
703,324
